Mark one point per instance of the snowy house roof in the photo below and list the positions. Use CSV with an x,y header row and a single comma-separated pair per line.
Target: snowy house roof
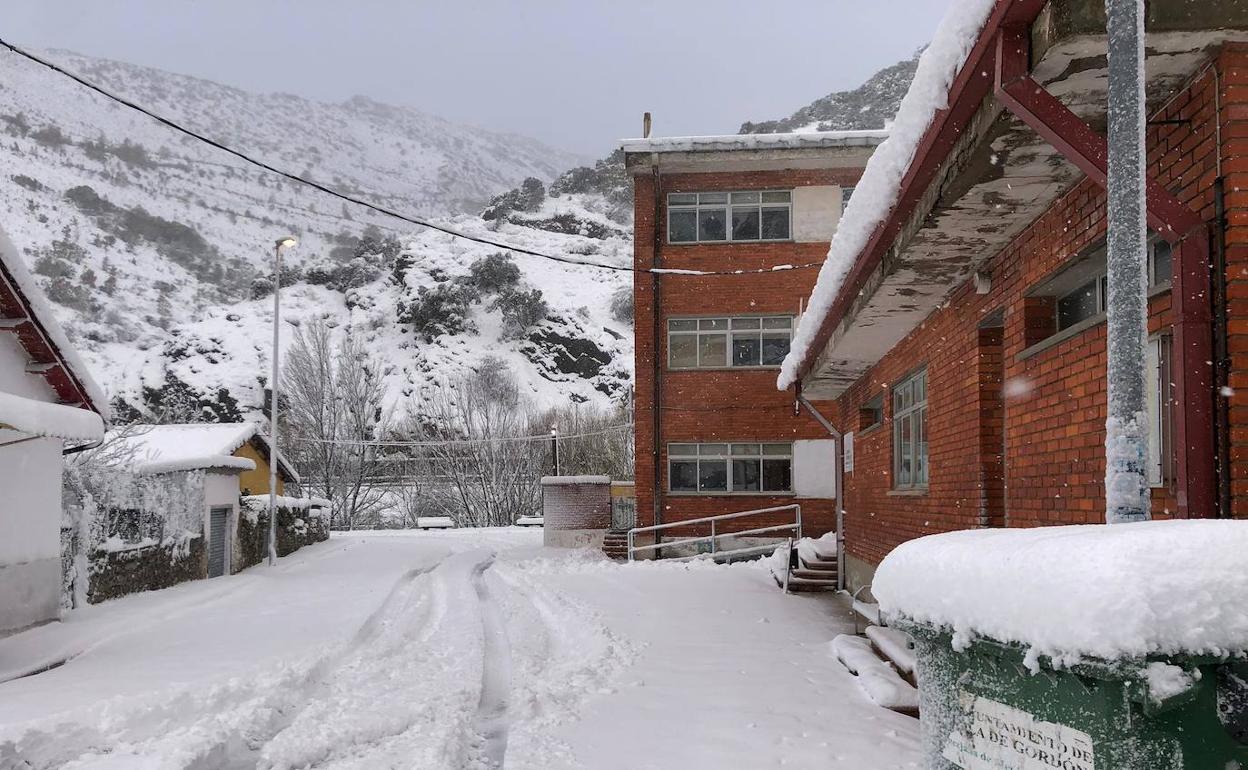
x,y
750,152
195,446
959,178
26,313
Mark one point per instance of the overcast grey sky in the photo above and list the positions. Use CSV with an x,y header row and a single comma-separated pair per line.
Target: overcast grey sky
x,y
574,73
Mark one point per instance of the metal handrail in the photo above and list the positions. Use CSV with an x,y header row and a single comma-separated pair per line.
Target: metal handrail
x,y
795,527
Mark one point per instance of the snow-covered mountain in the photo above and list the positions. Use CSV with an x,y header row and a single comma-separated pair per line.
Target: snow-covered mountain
x,y
156,249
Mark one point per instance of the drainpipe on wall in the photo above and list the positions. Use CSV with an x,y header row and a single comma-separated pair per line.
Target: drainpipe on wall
x,y
838,442
1221,356
657,401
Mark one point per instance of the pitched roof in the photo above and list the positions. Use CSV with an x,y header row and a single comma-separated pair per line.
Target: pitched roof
x,y
194,446
25,312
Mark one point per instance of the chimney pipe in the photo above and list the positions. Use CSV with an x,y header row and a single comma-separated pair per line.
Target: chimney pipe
x,y
645,126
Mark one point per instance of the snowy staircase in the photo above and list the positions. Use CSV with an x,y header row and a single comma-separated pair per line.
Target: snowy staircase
x,y
615,545
815,567
884,663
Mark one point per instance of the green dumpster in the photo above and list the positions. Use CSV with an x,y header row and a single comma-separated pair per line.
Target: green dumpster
x,y
1086,647
983,708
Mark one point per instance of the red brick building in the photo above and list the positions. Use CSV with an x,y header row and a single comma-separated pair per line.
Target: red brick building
x,y
713,434
963,355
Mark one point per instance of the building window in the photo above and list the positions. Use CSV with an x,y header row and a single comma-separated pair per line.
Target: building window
x,y
871,413
1159,400
730,468
1089,299
716,343
910,432
716,217
846,194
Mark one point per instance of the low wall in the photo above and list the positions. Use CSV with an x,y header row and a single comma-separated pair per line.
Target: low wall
x,y
134,568
576,511
296,527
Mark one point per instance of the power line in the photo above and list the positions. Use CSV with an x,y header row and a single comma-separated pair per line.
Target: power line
x,y
460,442
169,123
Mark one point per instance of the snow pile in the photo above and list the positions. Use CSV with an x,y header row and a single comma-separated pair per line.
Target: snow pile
x,y
1084,591
877,191
261,502
39,418
878,680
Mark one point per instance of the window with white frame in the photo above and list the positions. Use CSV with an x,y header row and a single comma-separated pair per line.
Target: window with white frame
x,y
719,217
736,468
910,432
716,343
1090,298
1159,401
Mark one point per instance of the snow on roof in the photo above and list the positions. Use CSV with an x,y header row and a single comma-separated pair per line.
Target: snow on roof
x,y
41,310
41,418
755,141
193,446
876,192
556,480
1083,591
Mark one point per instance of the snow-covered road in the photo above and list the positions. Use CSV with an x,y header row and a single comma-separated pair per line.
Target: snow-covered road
x,y
468,649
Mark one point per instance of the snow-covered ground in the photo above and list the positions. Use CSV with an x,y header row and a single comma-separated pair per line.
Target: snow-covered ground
x,y
454,649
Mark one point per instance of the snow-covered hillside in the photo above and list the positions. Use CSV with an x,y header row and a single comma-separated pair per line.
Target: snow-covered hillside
x,y
156,248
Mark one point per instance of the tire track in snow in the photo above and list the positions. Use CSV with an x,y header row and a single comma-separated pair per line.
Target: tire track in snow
x,y
491,721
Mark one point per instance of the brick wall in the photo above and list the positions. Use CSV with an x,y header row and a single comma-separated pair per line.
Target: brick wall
x,y
569,504
718,405
1049,416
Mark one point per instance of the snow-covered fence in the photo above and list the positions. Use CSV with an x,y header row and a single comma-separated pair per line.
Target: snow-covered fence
x,y
577,510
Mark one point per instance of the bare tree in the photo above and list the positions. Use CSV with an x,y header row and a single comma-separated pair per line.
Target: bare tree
x,y
489,470
335,412
594,441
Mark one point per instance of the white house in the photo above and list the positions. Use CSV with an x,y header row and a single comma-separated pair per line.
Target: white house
x,y
48,406
233,459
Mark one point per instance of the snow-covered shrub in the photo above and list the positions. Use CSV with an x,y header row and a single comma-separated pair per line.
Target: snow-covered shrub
x,y
521,311
495,274
444,309
527,197
622,305
354,274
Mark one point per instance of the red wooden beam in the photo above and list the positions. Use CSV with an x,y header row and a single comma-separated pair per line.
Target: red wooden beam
x,y
1190,280
1068,134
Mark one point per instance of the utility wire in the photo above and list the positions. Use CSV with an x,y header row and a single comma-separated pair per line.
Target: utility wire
x,y
373,206
459,442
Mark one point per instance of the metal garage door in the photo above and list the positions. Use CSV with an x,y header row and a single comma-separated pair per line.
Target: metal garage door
x,y
217,519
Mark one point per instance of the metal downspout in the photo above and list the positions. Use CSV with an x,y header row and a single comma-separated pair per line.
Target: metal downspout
x,y
657,400
839,475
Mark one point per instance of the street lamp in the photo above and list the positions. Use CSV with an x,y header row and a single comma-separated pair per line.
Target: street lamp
x,y
281,243
554,445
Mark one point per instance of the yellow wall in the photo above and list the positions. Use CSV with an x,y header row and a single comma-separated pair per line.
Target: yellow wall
x,y
257,482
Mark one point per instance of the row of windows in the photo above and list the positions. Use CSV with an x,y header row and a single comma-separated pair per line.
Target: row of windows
x,y
716,217
714,343
730,468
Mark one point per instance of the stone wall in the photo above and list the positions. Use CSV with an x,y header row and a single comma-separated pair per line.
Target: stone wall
x,y
137,568
296,527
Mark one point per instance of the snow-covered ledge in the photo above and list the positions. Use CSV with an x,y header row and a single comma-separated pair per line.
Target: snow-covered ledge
x,y
41,418
1079,592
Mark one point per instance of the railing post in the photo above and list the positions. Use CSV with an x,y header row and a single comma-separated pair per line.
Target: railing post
x,y
799,520
630,545
788,563
713,537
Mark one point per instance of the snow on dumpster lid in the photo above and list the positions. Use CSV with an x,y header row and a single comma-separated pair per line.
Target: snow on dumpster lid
x,y
557,480
41,418
1083,591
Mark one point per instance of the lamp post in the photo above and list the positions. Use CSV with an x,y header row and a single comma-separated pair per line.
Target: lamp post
x,y
281,243
554,446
